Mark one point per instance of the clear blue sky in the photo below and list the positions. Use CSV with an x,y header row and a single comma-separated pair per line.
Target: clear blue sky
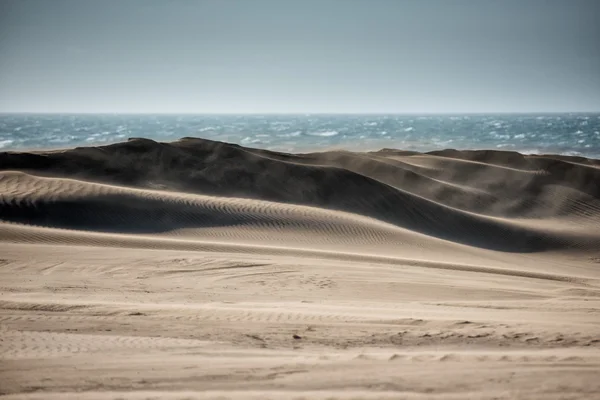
x,y
210,56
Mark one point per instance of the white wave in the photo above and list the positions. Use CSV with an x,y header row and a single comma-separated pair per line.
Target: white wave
x,y
208,128
323,133
250,140
499,136
5,143
519,136
530,151
570,153
440,143
409,129
291,134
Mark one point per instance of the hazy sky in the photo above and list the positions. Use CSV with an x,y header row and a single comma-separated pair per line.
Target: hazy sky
x,y
261,56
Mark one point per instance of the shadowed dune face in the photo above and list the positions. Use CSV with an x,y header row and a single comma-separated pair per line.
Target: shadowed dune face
x,y
496,200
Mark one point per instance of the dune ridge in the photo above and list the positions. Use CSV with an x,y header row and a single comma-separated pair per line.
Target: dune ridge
x,y
458,198
202,269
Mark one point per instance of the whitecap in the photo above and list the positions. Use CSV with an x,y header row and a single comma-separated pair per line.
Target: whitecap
x,y
323,133
5,143
530,151
519,136
250,140
410,128
291,134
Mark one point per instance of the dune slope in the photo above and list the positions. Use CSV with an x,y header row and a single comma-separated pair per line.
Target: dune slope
x,y
201,269
458,199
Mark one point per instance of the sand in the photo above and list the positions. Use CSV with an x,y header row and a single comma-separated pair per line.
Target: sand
x,y
199,269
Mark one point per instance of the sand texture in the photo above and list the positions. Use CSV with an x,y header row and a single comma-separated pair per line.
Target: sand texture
x,y
205,270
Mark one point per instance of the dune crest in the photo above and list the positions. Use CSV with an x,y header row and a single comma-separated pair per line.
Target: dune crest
x,y
484,199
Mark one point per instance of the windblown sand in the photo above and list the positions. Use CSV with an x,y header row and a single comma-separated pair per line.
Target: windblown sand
x,y
200,269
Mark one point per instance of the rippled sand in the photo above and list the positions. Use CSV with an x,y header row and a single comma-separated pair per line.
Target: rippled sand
x,y
199,269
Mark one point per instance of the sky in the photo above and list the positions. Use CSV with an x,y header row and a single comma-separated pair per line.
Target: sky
x,y
299,56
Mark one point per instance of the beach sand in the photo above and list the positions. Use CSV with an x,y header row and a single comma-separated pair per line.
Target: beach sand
x,y
200,269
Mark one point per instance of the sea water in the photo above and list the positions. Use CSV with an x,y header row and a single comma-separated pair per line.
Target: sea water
x,y
569,134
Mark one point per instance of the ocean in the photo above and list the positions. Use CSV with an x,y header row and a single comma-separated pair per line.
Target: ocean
x,y
569,134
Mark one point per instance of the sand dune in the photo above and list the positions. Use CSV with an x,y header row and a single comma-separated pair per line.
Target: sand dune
x,y
200,269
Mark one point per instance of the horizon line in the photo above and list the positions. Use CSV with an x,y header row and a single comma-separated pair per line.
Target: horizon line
x,y
297,113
